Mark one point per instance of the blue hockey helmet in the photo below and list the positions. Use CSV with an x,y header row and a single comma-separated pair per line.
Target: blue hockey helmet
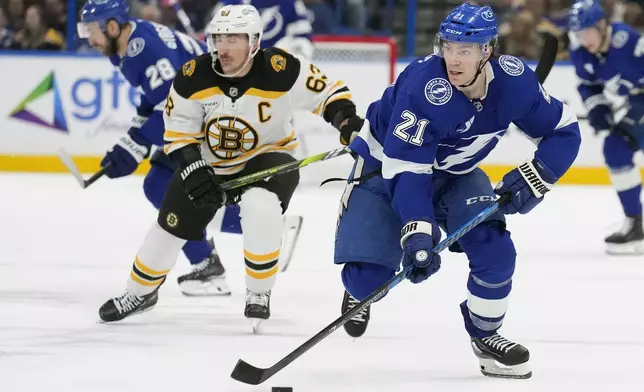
x,y
469,24
584,14
102,11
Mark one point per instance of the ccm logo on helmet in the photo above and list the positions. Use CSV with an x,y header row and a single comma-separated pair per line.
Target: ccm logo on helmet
x,y
456,32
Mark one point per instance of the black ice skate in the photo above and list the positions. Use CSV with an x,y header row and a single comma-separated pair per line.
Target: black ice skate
x,y
357,326
499,357
207,278
127,305
258,308
629,240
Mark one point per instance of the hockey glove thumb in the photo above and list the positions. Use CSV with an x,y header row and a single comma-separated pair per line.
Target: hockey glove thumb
x,y
526,185
417,240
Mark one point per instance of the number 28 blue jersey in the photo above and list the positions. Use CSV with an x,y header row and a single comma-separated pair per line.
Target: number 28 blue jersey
x,y
155,53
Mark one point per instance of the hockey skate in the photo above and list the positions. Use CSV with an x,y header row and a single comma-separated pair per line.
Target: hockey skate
x,y
258,308
357,326
208,278
499,357
292,227
127,305
629,240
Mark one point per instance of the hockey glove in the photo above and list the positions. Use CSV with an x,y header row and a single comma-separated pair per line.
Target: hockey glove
x,y
126,155
202,185
631,127
417,240
526,186
349,129
601,118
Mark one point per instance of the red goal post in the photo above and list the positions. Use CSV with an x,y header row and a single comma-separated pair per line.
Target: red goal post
x,y
356,49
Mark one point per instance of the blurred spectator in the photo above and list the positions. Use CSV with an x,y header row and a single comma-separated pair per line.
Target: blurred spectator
x,y
558,13
36,35
521,39
634,14
150,12
15,14
6,35
56,15
321,15
355,14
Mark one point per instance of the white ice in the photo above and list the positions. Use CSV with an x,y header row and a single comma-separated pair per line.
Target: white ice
x,y
64,251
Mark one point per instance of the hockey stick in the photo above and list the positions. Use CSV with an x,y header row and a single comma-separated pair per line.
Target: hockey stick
x,y
249,374
67,160
183,18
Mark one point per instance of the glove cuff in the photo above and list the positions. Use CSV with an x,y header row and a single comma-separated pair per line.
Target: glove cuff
x,y
533,172
414,227
138,151
191,168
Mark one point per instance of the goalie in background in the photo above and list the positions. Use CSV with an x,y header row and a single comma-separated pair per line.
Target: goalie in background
x,y
228,115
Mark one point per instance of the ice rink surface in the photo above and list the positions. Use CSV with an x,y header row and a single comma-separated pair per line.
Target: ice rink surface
x,y
65,251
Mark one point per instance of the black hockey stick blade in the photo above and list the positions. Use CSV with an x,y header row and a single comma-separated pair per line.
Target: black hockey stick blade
x,y
67,160
548,56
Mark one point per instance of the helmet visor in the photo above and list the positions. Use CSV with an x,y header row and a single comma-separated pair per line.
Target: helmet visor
x,y
88,30
462,51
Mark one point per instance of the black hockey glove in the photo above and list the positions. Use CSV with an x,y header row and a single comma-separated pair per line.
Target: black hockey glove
x,y
199,179
345,120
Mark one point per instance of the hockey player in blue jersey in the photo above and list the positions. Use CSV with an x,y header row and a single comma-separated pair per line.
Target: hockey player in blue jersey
x,y
149,55
610,56
286,25
417,171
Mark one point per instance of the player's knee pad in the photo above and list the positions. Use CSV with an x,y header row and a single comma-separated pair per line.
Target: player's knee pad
x,y
491,253
617,152
362,279
156,183
261,222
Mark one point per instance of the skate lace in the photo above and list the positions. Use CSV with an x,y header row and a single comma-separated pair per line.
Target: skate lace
x,y
627,226
360,317
203,265
127,302
258,298
499,343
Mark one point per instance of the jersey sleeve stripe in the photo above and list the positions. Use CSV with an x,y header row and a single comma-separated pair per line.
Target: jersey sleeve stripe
x,y
174,146
567,117
173,136
392,166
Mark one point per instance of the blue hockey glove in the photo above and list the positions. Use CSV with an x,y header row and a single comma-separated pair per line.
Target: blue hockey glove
x,y
631,127
130,150
601,118
417,239
525,186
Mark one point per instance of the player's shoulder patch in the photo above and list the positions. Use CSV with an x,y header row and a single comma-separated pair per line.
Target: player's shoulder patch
x,y
620,38
511,65
196,74
135,46
278,62
283,67
189,68
438,91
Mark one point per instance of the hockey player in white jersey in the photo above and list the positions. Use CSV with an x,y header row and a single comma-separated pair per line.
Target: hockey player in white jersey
x,y
228,115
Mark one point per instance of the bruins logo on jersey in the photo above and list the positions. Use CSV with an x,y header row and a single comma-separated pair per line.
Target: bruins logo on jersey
x,y
278,62
229,137
189,68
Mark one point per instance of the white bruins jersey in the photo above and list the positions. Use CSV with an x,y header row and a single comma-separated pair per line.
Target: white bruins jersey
x,y
236,119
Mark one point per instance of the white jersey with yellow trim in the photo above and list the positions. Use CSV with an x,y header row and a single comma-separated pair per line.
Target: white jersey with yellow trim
x,y
236,119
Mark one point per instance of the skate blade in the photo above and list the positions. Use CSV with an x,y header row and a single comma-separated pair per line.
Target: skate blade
x,y
492,368
292,228
213,288
632,248
256,324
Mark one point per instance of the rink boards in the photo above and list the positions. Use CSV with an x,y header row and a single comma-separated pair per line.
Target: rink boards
x,y
82,103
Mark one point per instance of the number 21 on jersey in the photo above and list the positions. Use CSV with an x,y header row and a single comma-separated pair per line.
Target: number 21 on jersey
x,y
408,123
